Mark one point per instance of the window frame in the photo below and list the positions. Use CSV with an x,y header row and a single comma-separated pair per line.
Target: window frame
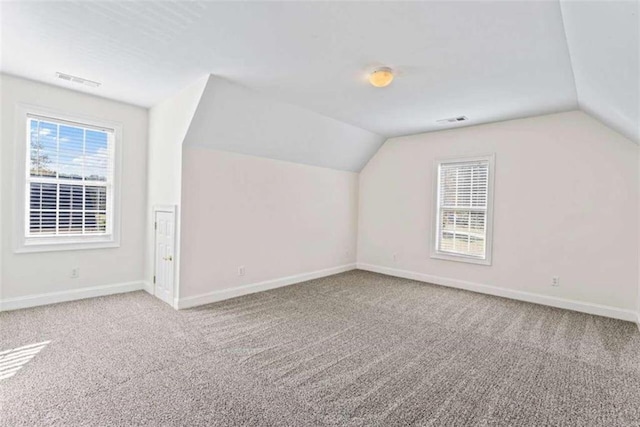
x,y
27,244
435,253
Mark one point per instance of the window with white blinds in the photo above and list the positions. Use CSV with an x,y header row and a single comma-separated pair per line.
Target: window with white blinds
x,y
69,179
463,209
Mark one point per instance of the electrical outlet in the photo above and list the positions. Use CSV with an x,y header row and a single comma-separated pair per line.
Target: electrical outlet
x,y
555,281
75,273
241,270
395,257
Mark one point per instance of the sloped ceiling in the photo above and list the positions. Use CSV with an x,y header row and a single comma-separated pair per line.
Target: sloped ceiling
x,y
231,117
484,59
487,60
604,44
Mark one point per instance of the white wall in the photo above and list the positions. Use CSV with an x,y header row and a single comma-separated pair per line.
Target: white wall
x,y
275,218
28,274
282,221
566,204
168,125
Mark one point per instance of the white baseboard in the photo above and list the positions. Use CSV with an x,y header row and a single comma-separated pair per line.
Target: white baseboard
x,y
148,287
228,293
584,307
70,295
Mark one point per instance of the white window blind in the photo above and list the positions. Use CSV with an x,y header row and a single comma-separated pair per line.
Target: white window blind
x,y
69,179
463,208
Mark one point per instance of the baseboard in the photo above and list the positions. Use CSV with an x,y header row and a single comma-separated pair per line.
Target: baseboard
x,y
70,295
583,307
234,292
148,287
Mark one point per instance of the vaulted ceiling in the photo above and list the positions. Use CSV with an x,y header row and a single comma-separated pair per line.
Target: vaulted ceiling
x,y
230,117
486,60
604,45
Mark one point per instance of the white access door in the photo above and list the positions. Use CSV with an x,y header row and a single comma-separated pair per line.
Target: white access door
x,y
164,256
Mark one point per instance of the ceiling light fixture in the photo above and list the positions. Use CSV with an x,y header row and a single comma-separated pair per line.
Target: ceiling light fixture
x,y
381,77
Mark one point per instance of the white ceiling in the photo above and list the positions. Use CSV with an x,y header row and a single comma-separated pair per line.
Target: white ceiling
x,y
487,60
231,117
604,43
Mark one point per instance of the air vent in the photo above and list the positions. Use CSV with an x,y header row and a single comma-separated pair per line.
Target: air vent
x,y
76,79
453,120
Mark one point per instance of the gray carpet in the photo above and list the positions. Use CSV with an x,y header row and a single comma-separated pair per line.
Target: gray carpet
x,y
355,349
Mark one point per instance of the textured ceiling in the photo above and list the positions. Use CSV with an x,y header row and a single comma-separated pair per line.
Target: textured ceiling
x,y
487,60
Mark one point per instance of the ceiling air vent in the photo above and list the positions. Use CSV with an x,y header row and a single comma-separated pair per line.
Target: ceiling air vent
x,y
453,120
76,79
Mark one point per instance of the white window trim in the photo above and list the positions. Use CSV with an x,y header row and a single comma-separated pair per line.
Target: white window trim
x,y
435,223
23,244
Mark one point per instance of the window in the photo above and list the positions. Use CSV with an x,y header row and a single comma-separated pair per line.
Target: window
x,y
69,184
463,210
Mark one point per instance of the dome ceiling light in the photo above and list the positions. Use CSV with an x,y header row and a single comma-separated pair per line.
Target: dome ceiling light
x,y
381,77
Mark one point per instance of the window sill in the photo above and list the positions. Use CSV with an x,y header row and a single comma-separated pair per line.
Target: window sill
x,y
53,245
460,258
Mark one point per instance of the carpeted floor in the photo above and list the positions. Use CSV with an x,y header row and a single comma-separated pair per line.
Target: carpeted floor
x,y
355,349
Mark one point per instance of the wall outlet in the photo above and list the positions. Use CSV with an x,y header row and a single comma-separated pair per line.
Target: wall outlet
x,y
395,257
241,270
555,281
75,273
